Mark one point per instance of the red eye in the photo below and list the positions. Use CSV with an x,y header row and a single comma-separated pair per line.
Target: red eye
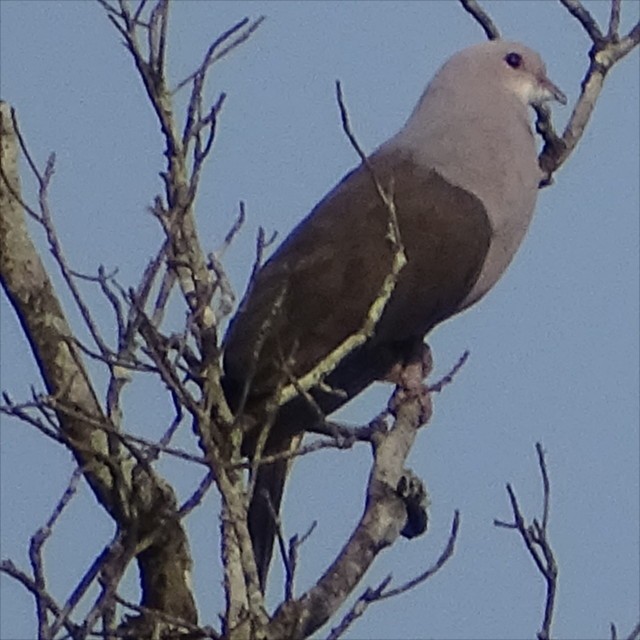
x,y
513,59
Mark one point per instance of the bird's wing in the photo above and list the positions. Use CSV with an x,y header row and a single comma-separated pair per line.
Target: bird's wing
x,y
331,269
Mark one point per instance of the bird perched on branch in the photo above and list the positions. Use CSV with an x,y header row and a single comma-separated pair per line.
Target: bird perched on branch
x,y
336,307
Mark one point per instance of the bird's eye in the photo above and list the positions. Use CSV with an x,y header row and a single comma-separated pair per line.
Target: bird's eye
x,y
513,59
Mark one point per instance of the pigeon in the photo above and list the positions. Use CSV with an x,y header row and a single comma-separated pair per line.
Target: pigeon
x,y
462,177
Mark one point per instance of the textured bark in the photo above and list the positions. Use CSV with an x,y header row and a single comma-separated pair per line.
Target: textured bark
x,y
134,496
31,293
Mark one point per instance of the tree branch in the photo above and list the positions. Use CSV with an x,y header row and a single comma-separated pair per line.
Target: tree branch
x,y
111,477
381,524
535,538
605,53
482,18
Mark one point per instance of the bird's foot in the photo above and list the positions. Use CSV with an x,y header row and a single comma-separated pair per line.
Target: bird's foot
x,y
418,363
410,384
409,379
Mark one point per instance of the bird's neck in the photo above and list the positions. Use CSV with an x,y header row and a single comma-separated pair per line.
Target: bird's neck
x,y
475,145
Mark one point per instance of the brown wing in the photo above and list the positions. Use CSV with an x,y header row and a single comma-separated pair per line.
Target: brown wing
x,y
331,269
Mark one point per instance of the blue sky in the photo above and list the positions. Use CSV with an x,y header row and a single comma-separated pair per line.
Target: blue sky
x,y
554,348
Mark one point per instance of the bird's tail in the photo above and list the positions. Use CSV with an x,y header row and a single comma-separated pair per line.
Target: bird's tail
x,y
264,509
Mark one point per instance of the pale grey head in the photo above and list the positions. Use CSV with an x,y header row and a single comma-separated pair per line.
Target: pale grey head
x,y
504,66
473,125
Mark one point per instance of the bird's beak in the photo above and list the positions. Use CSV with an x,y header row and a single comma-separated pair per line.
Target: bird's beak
x,y
549,91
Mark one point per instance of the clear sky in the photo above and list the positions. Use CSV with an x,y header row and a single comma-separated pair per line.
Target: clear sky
x,y
554,348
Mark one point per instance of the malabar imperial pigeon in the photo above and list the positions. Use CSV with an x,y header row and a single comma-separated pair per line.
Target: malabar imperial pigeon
x,y
463,176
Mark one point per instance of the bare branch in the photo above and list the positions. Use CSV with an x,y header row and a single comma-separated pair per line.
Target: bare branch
x,y
227,297
313,447
635,633
448,378
6,566
577,10
20,412
546,487
194,132
107,555
35,553
536,541
605,53
44,217
482,18
433,569
385,196
294,547
213,55
358,609
139,10
157,36
156,348
262,243
231,234
286,560
108,569
30,290
185,253
383,519
614,19
196,498
380,592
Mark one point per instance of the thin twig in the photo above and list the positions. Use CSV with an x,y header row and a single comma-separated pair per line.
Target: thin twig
x,y
139,10
448,378
213,56
380,592
111,565
546,487
358,608
233,232
20,412
7,566
535,538
294,546
482,17
227,297
35,553
200,151
577,10
313,447
329,362
447,552
92,573
286,559
197,496
635,633
614,20
386,197
45,219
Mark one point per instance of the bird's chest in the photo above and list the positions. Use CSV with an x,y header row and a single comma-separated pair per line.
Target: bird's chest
x,y
510,206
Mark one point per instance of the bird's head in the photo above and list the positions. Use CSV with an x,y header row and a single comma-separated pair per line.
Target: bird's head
x,y
515,68
525,73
